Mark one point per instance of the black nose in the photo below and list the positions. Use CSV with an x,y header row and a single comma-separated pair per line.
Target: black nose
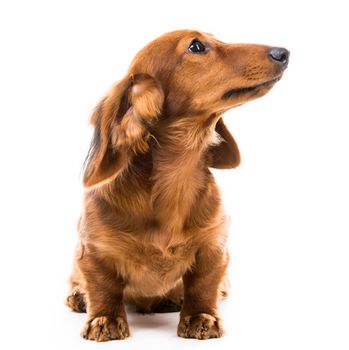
x,y
279,54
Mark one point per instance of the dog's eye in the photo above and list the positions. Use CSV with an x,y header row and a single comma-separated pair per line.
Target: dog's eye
x,y
197,46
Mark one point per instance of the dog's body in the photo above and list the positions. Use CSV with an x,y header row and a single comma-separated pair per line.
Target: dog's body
x,y
153,231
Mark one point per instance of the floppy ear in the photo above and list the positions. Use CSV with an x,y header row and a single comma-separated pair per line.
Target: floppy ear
x,y
226,154
120,121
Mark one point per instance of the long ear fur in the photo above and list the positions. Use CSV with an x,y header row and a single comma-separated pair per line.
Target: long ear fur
x,y
120,121
226,154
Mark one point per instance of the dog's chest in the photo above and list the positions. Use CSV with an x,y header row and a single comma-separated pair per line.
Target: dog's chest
x,y
153,270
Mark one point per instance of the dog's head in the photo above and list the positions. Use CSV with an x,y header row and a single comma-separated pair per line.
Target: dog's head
x,y
201,74
183,74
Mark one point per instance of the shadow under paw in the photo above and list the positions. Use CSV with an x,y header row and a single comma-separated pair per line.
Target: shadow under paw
x,y
167,305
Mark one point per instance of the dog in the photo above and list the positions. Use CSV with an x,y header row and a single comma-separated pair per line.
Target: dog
x,y
153,232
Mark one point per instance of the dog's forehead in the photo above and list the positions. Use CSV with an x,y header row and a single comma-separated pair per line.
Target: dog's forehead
x,y
179,35
199,35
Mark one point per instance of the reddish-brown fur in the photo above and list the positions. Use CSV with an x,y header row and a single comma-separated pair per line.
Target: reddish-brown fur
x,y
153,231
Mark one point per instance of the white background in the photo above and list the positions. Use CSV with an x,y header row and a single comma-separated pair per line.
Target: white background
x,y
288,201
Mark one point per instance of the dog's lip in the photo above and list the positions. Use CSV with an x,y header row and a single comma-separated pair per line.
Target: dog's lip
x,y
246,89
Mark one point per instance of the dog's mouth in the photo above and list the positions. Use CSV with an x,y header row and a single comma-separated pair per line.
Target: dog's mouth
x,y
250,89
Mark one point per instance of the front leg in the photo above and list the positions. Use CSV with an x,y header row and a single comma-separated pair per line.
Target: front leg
x,y
105,307
199,317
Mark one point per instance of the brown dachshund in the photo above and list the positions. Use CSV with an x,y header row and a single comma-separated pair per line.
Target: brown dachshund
x,y
153,231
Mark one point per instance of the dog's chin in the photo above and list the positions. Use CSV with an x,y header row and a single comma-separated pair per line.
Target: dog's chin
x,y
250,91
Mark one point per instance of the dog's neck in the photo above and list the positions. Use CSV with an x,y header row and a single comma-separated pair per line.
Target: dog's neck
x,y
179,169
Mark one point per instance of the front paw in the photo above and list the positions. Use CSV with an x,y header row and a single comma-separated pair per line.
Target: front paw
x,y
201,326
105,328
